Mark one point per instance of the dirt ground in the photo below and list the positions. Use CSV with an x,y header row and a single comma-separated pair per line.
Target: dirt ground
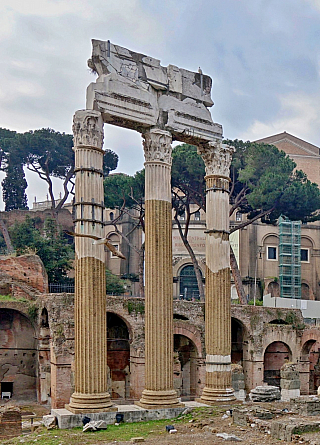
x,y
198,426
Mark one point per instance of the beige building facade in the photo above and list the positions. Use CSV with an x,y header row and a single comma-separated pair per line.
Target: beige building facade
x,y
257,246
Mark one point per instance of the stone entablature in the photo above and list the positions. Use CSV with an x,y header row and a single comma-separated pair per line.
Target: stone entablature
x,y
135,91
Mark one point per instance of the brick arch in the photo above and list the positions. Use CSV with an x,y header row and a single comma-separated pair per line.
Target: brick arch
x,y
18,345
189,331
310,334
309,356
281,337
124,319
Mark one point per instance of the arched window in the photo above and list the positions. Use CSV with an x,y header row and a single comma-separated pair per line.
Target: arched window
x,y
188,283
111,216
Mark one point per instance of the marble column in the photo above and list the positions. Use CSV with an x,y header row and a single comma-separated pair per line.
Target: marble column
x,y
158,392
90,393
217,159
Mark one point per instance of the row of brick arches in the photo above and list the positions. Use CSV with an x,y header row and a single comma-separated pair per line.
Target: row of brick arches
x,y
25,357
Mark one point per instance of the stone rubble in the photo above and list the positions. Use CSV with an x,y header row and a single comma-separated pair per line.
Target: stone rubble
x,y
95,425
265,394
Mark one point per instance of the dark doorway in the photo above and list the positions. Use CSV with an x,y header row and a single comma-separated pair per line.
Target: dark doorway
x,y
6,390
276,355
185,367
310,364
236,341
118,357
18,355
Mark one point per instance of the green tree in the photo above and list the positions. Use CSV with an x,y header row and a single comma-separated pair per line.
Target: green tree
x,y
51,245
49,154
187,183
126,193
11,162
14,186
264,185
115,286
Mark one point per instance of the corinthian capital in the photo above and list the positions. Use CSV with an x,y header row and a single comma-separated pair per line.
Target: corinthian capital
x,y
87,128
157,145
217,157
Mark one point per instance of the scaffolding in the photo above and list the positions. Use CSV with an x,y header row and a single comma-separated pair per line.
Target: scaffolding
x,y
290,258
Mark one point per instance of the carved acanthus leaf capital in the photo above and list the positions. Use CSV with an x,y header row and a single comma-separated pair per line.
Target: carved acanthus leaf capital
x,y
87,128
217,157
157,146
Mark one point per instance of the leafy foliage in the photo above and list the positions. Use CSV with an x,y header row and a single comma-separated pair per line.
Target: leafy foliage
x,y
115,285
187,173
266,185
51,246
264,182
46,152
14,186
121,190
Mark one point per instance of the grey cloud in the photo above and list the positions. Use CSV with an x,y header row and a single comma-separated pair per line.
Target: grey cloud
x,y
259,52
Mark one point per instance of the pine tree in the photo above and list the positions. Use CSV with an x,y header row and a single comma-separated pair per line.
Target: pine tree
x,y
14,188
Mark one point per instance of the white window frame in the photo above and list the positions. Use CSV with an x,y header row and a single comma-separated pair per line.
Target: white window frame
x,y
272,259
238,217
117,247
308,250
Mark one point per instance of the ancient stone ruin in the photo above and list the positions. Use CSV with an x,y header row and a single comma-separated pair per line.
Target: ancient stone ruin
x,y
163,104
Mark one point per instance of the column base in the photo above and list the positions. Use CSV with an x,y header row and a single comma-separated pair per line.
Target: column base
x,y
212,396
90,403
159,399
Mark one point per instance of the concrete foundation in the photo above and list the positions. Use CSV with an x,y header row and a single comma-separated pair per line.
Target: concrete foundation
x,y
131,413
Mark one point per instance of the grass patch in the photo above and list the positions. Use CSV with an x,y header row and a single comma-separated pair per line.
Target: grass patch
x,y
75,436
11,298
123,432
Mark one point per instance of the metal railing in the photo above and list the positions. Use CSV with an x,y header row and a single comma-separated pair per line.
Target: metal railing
x,y
59,288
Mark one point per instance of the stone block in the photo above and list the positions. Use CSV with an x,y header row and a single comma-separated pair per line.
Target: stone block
x,y
240,394
289,375
288,394
306,405
67,419
265,394
290,384
10,422
285,429
240,416
49,421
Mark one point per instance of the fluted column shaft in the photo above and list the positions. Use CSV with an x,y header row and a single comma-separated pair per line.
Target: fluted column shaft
x,y
217,158
158,390
90,286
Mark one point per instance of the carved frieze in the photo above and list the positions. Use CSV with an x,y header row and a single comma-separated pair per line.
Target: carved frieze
x,y
157,146
87,129
135,91
217,157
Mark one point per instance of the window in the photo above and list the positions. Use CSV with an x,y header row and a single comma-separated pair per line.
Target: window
x,y
304,253
197,216
238,216
117,247
272,253
188,284
111,216
182,217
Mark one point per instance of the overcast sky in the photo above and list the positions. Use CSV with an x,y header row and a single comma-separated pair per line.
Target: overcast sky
x,y
263,56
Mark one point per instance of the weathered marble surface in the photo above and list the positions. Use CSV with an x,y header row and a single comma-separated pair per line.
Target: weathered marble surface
x,y
134,91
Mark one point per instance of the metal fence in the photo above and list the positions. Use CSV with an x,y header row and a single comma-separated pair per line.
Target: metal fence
x,y
59,288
